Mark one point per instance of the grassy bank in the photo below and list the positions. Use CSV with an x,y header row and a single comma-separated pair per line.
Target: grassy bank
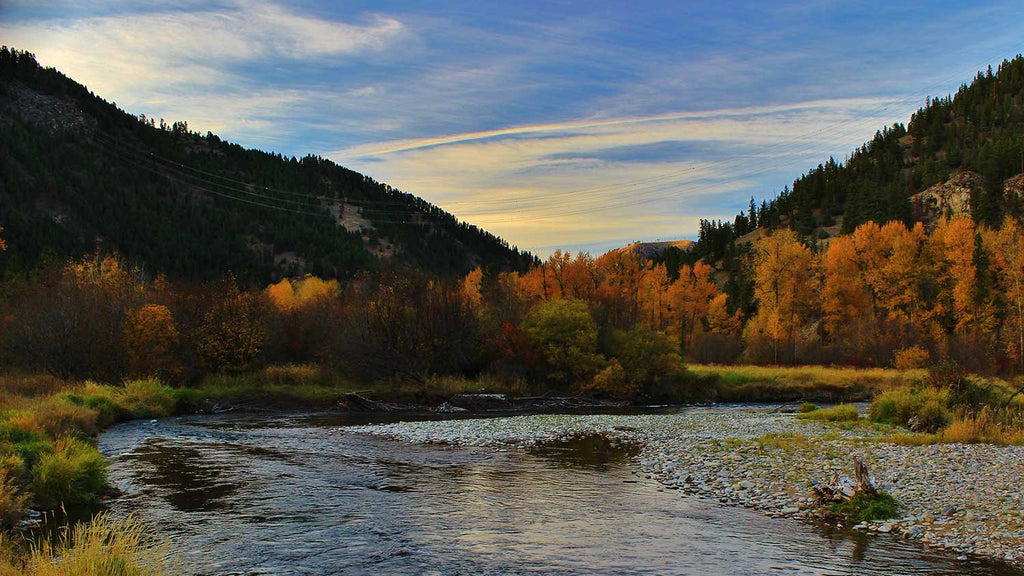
x,y
49,459
972,411
798,383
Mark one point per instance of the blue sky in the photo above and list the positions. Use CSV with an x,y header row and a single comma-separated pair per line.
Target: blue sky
x,y
552,124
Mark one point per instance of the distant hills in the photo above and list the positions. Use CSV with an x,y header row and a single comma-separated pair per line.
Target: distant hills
x,y
958,154
80,175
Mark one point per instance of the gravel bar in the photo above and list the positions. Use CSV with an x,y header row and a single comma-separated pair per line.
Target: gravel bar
x,y
964,498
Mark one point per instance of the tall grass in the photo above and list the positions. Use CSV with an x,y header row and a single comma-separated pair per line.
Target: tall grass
x,y
841,413
73,472
899,406
103,547
47,456
792,383
289,385
987,426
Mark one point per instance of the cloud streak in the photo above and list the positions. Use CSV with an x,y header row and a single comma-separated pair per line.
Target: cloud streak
x,y
578,180
547,124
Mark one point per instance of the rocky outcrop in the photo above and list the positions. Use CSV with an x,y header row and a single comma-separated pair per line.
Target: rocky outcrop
x,y
952,197
1014,187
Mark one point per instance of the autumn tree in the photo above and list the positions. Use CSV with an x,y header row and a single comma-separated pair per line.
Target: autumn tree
x,y
653,296
151,341
69,320
1008,259
619,292
405,325
785,291
689,299
566,335
966,300
231,335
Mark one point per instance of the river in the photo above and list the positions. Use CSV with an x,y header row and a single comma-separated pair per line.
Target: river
x,y
300,495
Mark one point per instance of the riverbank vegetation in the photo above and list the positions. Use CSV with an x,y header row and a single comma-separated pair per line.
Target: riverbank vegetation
x,y
102,547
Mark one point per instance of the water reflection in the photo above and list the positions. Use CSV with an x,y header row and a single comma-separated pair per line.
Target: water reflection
x,y
300,497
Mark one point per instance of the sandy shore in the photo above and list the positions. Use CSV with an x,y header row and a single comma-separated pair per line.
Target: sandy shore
x,y
965,498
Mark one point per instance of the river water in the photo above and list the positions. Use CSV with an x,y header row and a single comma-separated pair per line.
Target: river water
x,y
300,495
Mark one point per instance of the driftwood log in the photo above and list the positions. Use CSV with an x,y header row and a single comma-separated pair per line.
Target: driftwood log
x,y
841,489
354,402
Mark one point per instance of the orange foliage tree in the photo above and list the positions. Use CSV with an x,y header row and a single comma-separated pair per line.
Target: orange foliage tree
x,y
784,286
151,341
689,299
1008,260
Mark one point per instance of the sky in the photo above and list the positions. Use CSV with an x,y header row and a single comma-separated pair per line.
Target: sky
x,y
573,125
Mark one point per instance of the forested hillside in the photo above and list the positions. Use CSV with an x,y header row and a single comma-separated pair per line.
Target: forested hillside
x,y
80,176
979,130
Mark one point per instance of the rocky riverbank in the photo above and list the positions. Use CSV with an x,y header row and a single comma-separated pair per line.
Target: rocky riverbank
x,y
965,498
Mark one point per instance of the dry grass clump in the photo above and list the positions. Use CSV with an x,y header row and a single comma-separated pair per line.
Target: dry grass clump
x,y
841,413
911,358
291,374
102,547
12,500
24,385
987,426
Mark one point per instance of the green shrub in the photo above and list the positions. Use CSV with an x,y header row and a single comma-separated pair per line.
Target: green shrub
x,y
806,407
865,508
148,399
927,406
612,381
30,451
73,472
841,413
566,335
101,399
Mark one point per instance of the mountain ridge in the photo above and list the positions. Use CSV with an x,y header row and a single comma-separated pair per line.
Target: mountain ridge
x,y
80,176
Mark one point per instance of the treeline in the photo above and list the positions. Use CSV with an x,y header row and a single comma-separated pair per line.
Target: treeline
x,y
885,295
980,128
78,175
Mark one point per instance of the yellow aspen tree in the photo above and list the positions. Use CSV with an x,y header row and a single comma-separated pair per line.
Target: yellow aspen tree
x,y
471,287
310,289
1008,259
719,319
282,295
653,295
784,287
151,340
845,297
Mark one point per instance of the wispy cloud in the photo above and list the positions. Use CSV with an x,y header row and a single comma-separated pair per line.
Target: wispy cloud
x,y
135,55
570,182
546,123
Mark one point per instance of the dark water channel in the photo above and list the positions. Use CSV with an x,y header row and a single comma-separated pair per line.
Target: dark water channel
x,y
299,495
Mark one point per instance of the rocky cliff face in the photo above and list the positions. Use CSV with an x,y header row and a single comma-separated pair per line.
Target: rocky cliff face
x,y
1014,187
951,197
